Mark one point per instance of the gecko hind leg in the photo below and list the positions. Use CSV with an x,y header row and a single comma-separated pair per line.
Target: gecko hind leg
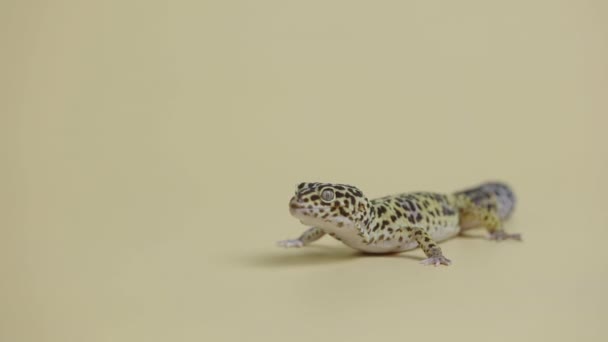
x,y
489,218
473,215
310,235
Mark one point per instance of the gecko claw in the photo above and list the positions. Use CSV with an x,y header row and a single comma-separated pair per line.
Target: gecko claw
x,y
436,261
501,235
295,243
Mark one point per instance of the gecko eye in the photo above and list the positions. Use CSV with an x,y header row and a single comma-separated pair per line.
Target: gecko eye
x,y
327,195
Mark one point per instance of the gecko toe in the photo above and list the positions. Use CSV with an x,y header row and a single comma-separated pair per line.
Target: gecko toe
x,y
436,261
290,243
500,236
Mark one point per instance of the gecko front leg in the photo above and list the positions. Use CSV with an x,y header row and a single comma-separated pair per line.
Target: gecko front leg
x,y
430,248
310,235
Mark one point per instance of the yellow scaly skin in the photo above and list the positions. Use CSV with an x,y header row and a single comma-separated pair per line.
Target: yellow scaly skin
x,y
400,222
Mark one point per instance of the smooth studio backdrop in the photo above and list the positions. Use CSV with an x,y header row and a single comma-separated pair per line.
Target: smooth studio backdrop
x,y
149,150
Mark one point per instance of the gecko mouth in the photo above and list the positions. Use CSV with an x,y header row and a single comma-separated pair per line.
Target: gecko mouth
x,y
294,207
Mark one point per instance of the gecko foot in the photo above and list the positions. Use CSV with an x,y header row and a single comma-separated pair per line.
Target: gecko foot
x,y
291,243
436,260
501,235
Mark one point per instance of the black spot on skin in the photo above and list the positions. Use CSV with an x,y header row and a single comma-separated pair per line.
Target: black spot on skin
x,y
418,217
340,187
426,239
314,198
401,239
352,200
339,194
411,219
409,205
409,229
431,245
385,223
390,230
418,232
447,211
343,212
393,218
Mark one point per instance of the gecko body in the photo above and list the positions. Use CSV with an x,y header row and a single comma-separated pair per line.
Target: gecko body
x,y
400,222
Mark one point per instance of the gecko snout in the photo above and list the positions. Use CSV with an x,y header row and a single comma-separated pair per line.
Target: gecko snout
x,y
294,204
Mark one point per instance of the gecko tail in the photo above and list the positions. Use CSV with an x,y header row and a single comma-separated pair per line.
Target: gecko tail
x,y
484,195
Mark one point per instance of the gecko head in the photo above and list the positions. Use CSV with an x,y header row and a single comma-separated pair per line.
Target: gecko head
x,y
328,205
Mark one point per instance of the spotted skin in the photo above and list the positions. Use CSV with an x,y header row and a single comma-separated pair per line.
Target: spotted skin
x,y
399,222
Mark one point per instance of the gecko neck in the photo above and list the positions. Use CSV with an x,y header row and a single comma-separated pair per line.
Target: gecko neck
x,y
365,219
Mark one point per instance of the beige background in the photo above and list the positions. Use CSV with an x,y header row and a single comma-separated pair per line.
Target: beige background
x,y
150,149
